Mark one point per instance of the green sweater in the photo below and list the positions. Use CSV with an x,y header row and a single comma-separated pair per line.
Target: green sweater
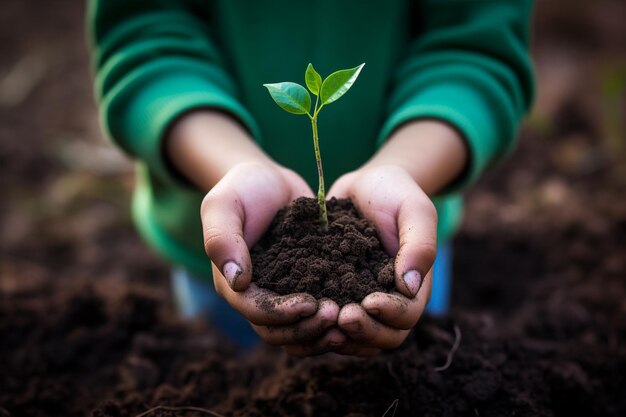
x,y
464,62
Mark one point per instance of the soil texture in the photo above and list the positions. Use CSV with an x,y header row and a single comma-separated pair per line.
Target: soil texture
x,y
345,263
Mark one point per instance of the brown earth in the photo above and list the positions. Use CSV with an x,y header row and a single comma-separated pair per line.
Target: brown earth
x,y
344,263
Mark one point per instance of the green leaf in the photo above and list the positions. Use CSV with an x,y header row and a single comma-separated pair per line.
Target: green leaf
x,y
290,97
338,83
313,79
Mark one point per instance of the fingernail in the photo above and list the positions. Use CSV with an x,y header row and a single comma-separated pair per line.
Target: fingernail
x,y
231,272
373,312
413,281
336,344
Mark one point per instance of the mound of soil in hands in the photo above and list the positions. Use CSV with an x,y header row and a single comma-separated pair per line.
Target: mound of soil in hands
x,y
345,263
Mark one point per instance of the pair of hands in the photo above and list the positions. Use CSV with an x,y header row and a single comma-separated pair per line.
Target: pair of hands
x,y
239,209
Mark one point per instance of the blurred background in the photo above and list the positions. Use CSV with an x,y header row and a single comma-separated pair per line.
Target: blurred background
x,y
547,224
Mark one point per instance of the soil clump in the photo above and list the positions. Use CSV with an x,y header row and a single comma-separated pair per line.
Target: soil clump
x,y
345,263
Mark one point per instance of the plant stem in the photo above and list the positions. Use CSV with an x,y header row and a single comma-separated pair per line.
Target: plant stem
x,y
321,194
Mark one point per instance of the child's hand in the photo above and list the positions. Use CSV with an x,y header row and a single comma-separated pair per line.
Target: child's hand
x,y
235,214
407,224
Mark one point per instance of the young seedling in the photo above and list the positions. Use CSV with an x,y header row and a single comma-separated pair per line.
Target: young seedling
x,y
294,98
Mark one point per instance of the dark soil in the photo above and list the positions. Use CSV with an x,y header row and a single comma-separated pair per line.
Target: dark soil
x,y
344,263
86,322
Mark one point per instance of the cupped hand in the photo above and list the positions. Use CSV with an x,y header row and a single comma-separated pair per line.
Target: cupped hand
x,y
406,221
235,214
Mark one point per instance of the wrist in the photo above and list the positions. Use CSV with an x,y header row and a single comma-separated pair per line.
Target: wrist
x,y
432,152
204,145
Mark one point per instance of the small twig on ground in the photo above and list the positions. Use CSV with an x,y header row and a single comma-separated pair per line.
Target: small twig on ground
x,y
394,406
455,347
393,373
183,408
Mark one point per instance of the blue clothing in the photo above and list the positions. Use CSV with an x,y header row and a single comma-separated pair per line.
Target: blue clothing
x,y
196,296
439,302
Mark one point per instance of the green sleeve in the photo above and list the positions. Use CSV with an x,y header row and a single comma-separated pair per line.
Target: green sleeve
x,y
154,61
469,67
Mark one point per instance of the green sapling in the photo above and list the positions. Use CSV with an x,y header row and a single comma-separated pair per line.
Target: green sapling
x,y
294,98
